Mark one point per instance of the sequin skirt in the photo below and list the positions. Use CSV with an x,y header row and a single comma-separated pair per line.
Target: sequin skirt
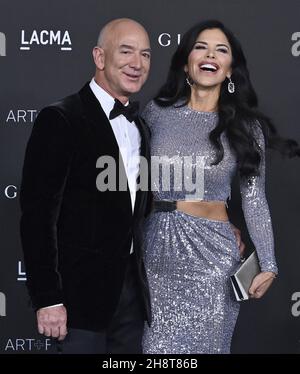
x,y
189,261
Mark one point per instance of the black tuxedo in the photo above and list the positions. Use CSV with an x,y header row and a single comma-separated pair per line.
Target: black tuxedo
x,y
76,239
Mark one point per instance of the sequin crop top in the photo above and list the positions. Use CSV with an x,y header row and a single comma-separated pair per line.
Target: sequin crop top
x,y
181,157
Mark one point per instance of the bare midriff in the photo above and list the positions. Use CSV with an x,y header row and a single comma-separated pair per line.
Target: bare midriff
x,y
215,210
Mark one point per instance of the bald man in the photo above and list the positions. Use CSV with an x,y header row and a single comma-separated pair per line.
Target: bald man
x,y
81,235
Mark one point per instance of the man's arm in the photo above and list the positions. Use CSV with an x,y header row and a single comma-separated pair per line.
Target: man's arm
x,y
47,161
238,236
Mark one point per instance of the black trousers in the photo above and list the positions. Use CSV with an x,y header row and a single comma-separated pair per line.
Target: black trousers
x,y
123,335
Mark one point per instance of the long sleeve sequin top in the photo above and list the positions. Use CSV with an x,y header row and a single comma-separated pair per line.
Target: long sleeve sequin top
x,y
181,157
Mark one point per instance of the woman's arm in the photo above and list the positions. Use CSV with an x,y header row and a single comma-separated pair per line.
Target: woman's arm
x,y
256,211
259,224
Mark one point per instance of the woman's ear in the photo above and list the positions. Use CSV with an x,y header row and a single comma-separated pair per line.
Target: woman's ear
x,y
229,74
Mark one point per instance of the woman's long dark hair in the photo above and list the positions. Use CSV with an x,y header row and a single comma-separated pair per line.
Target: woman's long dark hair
x,y
237,112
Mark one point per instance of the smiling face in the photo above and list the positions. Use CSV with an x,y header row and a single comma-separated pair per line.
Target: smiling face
x,y
209,62
123,60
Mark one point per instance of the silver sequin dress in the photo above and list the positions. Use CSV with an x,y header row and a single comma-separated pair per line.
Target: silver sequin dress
x,y
189,259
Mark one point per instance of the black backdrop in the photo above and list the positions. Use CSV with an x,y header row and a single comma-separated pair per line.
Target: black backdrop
x,y
45,49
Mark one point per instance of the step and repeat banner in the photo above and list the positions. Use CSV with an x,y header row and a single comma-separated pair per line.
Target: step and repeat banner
x,y
45,54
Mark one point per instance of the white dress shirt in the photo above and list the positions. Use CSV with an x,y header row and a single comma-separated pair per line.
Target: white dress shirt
x,y
129,141
127,136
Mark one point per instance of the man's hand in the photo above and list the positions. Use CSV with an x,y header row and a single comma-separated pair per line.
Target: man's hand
x,y
238,237
52,321
261,284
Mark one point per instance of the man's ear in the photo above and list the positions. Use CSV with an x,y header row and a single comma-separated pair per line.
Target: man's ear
x,y
99,57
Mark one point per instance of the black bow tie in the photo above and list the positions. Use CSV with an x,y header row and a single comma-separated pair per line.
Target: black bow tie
x,y
130,111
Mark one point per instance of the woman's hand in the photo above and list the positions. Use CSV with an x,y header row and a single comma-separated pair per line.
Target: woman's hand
x,y
261,284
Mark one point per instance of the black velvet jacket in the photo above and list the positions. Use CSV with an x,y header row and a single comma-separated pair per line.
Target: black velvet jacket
x,y
76,239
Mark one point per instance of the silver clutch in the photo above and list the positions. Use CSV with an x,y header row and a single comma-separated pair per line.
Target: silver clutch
x,y
243,277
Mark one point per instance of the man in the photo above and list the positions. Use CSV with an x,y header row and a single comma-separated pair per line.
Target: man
x,y
82,246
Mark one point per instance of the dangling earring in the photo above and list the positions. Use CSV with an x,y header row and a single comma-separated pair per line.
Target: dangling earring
x,y
187,79
231,86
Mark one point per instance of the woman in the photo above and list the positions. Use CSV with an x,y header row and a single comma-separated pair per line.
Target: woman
x,y
205,128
